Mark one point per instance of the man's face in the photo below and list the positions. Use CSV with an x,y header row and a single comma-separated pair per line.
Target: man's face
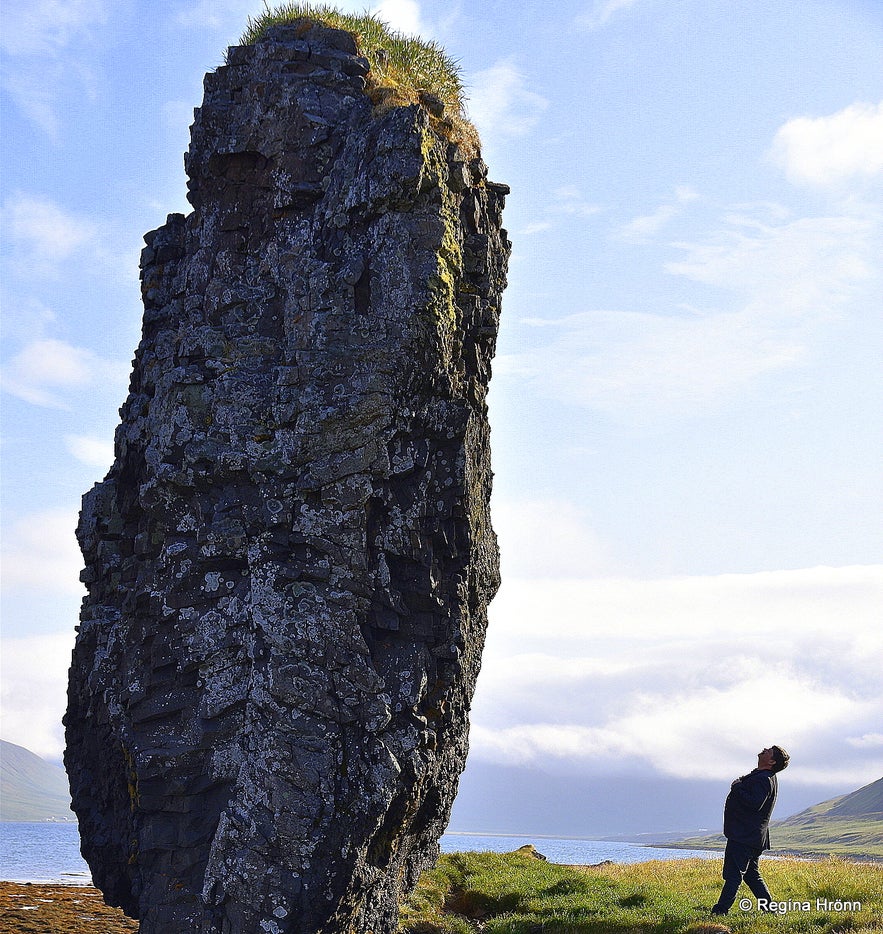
x,y
766,759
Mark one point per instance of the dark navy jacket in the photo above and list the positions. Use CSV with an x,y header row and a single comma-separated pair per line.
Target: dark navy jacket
x,y
748,808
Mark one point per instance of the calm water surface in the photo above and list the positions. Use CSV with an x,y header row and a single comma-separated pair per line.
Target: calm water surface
x,y
571,851
45,852
50,852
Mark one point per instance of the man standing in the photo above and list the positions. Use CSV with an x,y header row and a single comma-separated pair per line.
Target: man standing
x,y
746,827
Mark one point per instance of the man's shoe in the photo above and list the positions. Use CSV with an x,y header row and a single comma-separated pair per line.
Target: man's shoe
x,y
717,910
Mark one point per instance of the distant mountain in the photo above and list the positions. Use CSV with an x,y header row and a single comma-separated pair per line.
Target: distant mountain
x,y
31,789
852,823
867,802
848,825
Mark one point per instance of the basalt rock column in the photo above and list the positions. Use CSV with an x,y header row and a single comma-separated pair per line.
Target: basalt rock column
x,y
290,561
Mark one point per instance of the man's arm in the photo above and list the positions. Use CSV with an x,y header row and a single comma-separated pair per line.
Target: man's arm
x,y
753,789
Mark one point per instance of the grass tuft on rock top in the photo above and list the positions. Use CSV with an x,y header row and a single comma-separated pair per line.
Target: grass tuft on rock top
x,y
403,69
513,893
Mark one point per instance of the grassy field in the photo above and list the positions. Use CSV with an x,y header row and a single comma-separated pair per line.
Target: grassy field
x,y
520,894
844,837
513,893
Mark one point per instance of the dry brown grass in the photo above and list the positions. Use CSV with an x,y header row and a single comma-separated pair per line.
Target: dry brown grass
x,y
36,908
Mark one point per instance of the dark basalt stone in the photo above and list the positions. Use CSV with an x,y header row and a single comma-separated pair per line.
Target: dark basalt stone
x,y
290,561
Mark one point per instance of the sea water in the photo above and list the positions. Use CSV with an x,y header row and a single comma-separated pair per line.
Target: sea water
x,y
50,852
43,852
573,851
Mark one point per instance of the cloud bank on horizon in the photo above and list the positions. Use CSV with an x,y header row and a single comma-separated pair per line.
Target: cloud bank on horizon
x,y
685,404
686,676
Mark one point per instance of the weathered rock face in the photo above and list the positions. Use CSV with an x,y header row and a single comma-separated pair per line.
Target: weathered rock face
x,y
290,561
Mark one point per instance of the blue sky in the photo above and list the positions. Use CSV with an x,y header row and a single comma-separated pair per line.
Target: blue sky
x,y
687,393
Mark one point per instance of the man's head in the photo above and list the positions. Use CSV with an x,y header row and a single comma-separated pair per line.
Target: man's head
x,y
774,759
780,758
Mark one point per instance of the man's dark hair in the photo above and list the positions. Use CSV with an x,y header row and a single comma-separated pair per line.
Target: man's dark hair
x,y
780,757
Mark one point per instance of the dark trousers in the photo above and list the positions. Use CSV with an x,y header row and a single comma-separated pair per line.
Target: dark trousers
x,y
740,865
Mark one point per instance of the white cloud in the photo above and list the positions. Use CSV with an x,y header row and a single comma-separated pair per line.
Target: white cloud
x,y
43,234
47,363
40,552
403,15
641,229
731,723
568,199
650,671
672,609
535,228
547,537
215,14
95,452
33,691
531,743
500,104
831,151
30,321
686,193
528,670
35,100
44,42
42,27
801,265
47,371
867,741
639,367
602,11
782,284
44,240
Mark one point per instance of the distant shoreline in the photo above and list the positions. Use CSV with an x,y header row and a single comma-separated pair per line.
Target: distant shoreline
x,y
43,820
643,839
783,853
549,836
86,881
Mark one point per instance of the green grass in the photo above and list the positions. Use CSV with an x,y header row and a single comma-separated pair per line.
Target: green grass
x,y
841,836
403,69
516,894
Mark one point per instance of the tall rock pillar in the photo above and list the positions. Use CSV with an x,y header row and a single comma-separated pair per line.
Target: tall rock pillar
x,y
290,561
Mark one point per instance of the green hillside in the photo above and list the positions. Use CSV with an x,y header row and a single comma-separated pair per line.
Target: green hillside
x,y
867,802
31,789
849,825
